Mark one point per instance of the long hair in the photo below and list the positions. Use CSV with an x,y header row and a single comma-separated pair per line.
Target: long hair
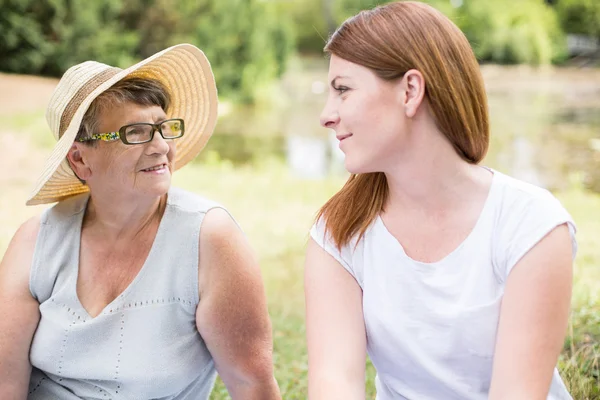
x,y
390,40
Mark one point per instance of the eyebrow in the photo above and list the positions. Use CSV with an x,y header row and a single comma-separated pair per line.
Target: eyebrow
x,y
156,121
332,83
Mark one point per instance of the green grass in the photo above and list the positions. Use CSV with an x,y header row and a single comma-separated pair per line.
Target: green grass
x,y
276,211
580,361
32,124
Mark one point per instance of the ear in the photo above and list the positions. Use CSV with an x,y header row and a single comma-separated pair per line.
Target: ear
x,y
77,160
414,91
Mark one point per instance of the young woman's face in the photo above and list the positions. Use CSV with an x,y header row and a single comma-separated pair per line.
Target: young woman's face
x,y
366,114
140,169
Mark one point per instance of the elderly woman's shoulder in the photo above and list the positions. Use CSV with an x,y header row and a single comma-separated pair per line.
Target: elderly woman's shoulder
x,y
219,228
28,231
20,250
190,202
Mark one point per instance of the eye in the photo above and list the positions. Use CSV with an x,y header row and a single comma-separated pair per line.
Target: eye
x,y
341,89
134,132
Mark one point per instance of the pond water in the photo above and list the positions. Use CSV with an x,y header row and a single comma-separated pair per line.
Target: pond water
x,y
545,125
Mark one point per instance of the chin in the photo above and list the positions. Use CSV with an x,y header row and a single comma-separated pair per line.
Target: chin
x,y
355,166
158,189
163,189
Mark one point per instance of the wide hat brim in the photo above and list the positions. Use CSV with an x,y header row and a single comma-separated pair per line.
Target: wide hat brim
x,y
186,73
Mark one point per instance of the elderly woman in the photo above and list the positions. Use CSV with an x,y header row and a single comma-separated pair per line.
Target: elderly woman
x,y
128,288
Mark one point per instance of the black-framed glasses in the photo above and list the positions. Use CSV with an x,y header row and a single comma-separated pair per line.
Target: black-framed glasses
x,y
142,132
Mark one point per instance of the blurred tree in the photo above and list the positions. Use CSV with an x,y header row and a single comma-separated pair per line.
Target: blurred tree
x,y
247,41
248,47
308,21
48,36
90,30
157,22
23,47
580,16
344,9
500,32
313,21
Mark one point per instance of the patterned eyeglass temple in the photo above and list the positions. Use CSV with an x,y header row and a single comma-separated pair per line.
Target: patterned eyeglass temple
x,y
107,137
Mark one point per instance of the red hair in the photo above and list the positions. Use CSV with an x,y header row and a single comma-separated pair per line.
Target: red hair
x,y
390,40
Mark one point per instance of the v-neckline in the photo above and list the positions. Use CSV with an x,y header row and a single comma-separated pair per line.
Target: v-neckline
x,y
77,257
482,215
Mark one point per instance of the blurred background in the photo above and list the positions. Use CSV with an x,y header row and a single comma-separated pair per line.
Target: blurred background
x,y
271,163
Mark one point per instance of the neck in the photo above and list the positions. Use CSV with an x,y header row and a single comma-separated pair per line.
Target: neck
x,y
116,218
432,176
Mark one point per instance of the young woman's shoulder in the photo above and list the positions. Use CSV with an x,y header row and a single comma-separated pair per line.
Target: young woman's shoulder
x,y
348,255
524,215
520,203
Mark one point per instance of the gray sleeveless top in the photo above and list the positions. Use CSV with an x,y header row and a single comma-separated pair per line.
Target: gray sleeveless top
x,y
144,344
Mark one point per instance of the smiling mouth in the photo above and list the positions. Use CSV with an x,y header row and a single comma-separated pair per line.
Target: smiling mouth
x,y
342,137
155,168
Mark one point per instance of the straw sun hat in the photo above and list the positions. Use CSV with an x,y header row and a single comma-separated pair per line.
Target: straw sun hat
x,y
185,72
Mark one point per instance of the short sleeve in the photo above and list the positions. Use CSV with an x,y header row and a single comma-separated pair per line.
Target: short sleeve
x,y
319,234
526,223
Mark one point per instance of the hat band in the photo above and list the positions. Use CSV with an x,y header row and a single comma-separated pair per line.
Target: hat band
x,y
81,94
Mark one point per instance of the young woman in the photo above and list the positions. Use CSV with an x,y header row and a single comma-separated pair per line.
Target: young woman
x,y
453,277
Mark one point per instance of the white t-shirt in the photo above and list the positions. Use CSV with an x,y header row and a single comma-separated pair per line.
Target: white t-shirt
x,y
431,327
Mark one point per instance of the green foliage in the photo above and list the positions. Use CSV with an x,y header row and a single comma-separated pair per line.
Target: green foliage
x,y
343,9
313,21
249,41
48,36
308,23
246,41
249,47
580,16
23,47
500,32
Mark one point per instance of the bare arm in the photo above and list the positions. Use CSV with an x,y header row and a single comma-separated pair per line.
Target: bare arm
x,y
533,320
232,316
335,329
19,313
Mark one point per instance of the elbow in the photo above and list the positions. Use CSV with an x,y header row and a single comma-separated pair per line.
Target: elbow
x,y
251,380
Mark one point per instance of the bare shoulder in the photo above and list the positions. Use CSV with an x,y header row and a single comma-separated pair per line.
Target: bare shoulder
x,y
232,315
19,311
218,226
16,263
29,230
552,253
225,251
23,241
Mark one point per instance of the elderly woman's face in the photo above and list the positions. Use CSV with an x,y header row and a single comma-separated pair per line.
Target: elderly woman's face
x,y
139,169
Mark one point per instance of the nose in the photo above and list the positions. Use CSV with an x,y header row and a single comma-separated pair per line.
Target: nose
x,y
329,116
158,145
